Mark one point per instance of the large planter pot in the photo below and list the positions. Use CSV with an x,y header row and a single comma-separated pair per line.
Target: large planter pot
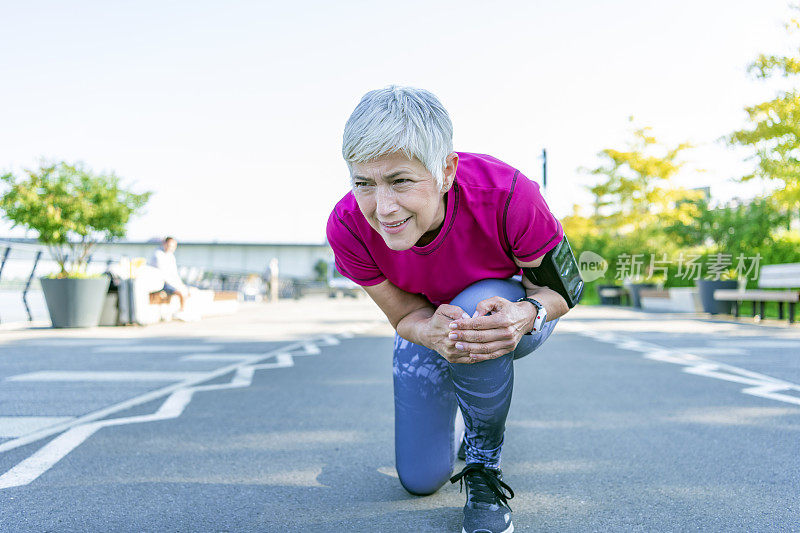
x,y
706,288
75,303
608,300
636,300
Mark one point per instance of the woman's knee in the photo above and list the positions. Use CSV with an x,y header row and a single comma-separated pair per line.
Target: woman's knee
x,y
531,343
468,299
423,481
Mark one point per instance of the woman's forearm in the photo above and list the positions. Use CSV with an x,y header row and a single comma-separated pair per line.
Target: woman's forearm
x,y
412,326
554,303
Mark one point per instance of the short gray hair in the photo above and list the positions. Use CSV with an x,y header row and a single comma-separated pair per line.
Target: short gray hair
x,y
396,119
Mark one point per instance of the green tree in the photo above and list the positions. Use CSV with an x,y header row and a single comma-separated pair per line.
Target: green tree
x,y
71,208
634,200
733,228
635,196
774,130
321,268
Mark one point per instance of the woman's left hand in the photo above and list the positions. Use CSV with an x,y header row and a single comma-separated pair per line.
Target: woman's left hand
x,y
496,334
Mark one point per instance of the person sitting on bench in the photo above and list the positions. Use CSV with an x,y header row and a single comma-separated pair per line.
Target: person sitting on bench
x,y
163,259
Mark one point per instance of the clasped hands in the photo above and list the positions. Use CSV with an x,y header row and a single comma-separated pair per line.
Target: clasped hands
x,y
493,330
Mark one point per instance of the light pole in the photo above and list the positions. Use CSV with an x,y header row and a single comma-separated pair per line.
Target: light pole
x,y
544,168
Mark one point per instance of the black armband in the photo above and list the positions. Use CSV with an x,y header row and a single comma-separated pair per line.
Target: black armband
x,y
559,272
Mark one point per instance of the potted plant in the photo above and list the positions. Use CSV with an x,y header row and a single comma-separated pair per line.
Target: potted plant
x,y
72,209
706,287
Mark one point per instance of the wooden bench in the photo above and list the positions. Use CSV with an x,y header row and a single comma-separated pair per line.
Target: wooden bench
x,y
160,297
221,296
654,299
654,293
785,277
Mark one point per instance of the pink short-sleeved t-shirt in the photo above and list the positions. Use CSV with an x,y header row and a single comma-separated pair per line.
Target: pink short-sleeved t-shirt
x,y
493,213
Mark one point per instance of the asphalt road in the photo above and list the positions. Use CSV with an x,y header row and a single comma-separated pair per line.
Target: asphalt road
x,y
281,419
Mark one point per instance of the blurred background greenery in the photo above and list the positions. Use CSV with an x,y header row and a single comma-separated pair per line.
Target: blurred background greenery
x,y
649,230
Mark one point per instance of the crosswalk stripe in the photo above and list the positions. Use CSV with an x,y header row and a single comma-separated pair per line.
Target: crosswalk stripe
x,y
80,375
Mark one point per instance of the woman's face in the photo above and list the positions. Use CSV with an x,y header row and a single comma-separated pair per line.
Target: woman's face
x,y
399,198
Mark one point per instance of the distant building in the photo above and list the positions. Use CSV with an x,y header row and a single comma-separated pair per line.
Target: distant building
x,y
295,260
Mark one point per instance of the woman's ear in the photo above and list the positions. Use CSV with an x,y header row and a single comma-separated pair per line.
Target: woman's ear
x,y
450,167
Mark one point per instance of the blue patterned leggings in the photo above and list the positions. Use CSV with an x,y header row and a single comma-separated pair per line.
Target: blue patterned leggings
x,y
428,390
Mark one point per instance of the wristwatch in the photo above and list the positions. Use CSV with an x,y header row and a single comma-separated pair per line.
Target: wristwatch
x,y
541,314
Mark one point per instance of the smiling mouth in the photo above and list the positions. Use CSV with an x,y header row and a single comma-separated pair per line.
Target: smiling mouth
x,y
396,224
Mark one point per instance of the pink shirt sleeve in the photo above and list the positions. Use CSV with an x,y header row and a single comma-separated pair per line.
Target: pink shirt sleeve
x,y
353,260
532,230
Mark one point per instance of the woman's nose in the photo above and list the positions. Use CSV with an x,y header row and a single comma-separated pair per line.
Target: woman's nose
x,y
387,202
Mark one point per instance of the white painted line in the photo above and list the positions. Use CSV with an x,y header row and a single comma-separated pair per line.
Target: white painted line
x,y
310,349
637,346
672,357
78,430
222,357
767,343
705,350
16,426
772,392
55,450
712,370
38,463
282,360
41,461
329,340
159,348
132,402
79,375
388,471
761,384
64,343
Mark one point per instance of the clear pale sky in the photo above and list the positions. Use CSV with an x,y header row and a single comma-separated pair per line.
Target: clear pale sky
x,y
232,112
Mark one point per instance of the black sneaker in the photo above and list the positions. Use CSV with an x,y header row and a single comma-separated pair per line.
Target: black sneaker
x,y
486,510
462,450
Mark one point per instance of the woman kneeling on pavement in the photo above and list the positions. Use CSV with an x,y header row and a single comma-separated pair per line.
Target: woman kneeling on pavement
x,y
438,240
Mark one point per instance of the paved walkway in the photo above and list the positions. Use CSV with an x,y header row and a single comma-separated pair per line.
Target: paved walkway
x,y
280,418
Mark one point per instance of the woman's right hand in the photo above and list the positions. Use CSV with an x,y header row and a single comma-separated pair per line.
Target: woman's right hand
x,y
437,334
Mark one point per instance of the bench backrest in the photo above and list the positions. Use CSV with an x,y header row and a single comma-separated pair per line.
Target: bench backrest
x,y
783,276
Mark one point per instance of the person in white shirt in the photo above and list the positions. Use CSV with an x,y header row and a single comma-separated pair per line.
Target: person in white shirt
x,y
163,259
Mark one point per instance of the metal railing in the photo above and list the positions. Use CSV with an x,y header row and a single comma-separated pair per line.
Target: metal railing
x,y
21,264
16,258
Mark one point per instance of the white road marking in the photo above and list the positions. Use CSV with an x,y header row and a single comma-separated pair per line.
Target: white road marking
x,y
705,350
767,343
222,357
329,340
282,360
761,385
773,392
80,429
61,343
16,426
388,471
159,348
144,398
310,349
38,463
79,375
